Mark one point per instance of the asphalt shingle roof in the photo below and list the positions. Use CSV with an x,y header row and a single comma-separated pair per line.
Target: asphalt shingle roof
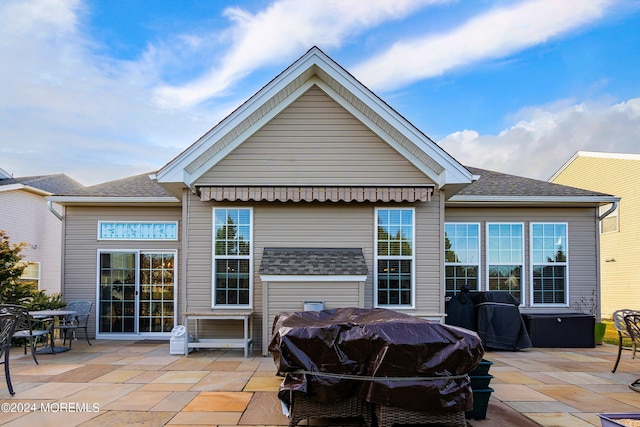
x,y
133,186
313,262
499,184
54,184
490,184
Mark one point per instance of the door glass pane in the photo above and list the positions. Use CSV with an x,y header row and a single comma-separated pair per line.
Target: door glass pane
x,y
156,292
117,292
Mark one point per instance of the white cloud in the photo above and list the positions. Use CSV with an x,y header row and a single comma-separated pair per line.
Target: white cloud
x,y
282,30
65,109
540,144
494,34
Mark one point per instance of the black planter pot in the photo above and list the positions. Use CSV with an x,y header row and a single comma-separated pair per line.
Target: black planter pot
x,y
480,380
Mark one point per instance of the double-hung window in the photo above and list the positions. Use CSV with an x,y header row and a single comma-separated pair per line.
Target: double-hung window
x,y
232,257
31,274
505,258
395,257
549,267
462,257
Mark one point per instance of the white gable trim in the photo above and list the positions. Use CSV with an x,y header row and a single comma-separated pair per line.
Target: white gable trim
x,y
314,62
28,188
242,137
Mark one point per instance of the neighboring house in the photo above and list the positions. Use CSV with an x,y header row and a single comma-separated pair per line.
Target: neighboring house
x,y
315,190
26,217
618,174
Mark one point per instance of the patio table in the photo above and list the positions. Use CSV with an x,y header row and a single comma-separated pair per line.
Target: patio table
x,y
43,314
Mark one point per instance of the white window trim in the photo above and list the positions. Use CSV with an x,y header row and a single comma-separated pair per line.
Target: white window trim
x,y
523,285
479,265
176,289
566,264
412,258
214,257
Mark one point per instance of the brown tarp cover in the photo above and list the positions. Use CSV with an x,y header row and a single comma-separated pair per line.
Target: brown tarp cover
x,y
382,356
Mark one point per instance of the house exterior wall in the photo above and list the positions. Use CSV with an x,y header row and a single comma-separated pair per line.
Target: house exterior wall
x,y
311,225
582,245
618,175
314,141
26,218
81,246
287,297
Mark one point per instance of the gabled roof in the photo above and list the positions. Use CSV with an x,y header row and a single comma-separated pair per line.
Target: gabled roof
x,y
596,154
135,189
498,188
314,68
41,184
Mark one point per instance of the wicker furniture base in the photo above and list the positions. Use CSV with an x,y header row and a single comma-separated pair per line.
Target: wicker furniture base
x,y
390,415
302,407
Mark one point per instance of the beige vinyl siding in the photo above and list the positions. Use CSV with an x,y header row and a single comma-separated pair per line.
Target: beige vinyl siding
x,y
620,282
315,142
305,225
289,297
429,258
582,235
81,247
26,218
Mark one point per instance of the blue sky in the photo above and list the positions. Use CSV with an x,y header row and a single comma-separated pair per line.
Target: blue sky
x,y
101,90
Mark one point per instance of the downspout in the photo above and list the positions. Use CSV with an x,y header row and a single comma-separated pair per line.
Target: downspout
x,y
614,206
62,245
53,211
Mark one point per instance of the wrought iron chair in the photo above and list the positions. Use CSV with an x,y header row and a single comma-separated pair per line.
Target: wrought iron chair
x,y
80,320
7,328
28,329
623,332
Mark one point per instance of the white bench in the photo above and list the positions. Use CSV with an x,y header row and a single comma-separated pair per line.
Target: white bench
x,y
245,342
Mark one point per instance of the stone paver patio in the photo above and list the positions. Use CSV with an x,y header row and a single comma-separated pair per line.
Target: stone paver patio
x,y
112,383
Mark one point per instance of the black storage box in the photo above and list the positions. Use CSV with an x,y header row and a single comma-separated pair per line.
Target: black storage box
x,y
571,330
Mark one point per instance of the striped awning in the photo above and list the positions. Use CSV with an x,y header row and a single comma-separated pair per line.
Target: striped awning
x,y
320,194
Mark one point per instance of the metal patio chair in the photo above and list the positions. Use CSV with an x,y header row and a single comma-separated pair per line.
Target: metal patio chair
x,y
7,328
80,320
621,327
28,329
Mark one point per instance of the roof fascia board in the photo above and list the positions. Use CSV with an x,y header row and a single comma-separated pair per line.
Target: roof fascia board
x,y
64,200
594,154
173,171
190,179
431,174
563,167
454,172
519,200
27,188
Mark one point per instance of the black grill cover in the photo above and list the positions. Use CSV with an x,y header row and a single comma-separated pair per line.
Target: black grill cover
x,y
383,356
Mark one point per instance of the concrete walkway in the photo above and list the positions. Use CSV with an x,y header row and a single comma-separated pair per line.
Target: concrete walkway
x,y
113,383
